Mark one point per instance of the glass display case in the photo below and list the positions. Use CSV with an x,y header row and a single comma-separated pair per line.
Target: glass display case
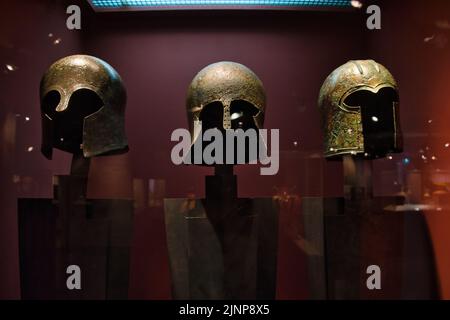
x,y
237,150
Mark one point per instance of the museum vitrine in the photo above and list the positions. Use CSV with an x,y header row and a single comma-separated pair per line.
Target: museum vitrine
x,y
268,150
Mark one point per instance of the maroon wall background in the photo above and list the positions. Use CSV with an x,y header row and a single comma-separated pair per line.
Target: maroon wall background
x,y
158,54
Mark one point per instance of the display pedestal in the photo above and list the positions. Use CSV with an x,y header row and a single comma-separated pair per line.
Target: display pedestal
x,y
359,230
222,247
93,234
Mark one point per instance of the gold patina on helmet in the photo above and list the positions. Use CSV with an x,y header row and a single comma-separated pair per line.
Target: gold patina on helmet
x,y
224,93
82,106
226,96
359,104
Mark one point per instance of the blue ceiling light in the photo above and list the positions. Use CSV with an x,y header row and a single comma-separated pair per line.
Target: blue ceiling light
x,y
216,4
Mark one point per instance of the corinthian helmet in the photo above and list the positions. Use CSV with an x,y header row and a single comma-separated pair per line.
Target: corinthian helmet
x,y
359,103
82,106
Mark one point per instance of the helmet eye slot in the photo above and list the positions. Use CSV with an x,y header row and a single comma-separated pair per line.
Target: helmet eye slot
x,y
242,113
378,119
212,115
83,103
50,102
68,124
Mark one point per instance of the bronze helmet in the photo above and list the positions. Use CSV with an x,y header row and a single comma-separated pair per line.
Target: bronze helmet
x,y
225,95
359,104
225,85
82,107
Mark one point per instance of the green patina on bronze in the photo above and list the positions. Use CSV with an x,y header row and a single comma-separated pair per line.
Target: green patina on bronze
x,y
342,124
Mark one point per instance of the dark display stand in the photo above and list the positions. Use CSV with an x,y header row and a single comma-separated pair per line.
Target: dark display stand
x,y
72,230
222,247
359,230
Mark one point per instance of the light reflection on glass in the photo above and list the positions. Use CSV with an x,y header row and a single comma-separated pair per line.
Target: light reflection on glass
x,y
10,68
356,4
